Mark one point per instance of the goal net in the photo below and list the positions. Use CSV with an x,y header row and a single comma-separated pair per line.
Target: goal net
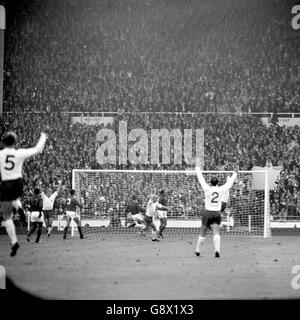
x,y
106,193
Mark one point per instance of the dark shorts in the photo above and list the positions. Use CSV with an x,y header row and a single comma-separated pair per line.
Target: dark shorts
x,y
48,214
11,190
211,217
148,220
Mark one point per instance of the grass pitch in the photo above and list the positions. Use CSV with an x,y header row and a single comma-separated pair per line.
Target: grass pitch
x,y
115,267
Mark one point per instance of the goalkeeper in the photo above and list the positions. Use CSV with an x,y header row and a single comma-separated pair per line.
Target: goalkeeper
x,y
213,196
134,214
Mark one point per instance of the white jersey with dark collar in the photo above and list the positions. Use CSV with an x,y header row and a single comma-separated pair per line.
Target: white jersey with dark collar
x,y
11,159
214,195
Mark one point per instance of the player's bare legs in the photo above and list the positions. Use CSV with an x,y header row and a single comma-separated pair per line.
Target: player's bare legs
x,y
200,240
154,232
49,227
129,221
150,224
48,222
31,231
67,227
216,239
79,228
9,226
35,225
141,226
39,232
136,221
162,227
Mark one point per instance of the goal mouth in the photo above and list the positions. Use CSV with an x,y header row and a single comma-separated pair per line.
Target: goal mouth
x,y
106,193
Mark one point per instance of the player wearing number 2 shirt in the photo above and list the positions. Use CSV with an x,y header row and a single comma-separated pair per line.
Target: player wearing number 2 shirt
x,y
11,164
213,195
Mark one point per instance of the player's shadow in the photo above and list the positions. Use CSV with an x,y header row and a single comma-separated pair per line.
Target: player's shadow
x,y
15,292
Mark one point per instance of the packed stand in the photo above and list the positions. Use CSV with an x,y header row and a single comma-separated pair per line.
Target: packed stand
x,y
152,55
228,140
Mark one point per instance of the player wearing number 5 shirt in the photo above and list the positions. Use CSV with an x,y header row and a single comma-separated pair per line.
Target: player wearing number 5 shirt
x,y
213,195
11,164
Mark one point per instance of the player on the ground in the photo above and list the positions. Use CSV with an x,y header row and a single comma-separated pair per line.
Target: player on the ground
x,y
134,214
162,213
35,205
152,206
48,203
213,196
71,205
11,164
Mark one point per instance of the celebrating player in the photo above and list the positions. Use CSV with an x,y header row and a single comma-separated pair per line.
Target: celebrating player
x,y
11,164
213,196
162,213
35,206
71,213
48,203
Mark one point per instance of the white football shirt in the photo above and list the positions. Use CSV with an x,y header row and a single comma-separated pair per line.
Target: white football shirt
x,y
213,195
151,208
48,202
11,159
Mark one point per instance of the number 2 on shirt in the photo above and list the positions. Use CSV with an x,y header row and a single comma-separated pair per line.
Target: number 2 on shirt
x,y
214,198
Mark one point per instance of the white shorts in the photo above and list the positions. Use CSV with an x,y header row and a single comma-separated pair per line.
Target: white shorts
x,y
72,214
35,216
161,214
17,204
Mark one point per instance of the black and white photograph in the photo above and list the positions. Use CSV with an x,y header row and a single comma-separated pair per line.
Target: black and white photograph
x,y
150,151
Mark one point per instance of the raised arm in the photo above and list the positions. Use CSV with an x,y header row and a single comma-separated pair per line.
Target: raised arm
x,y
26,153
59,187
201,179
40,186
162,207
231,180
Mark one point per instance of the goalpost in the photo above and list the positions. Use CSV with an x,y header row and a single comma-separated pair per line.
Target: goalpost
x,y
104,194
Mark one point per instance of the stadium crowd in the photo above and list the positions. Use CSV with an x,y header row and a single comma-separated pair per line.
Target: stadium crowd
x,y
155,55
228,140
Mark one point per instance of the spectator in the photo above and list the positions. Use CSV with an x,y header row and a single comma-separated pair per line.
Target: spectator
x,y
175,58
